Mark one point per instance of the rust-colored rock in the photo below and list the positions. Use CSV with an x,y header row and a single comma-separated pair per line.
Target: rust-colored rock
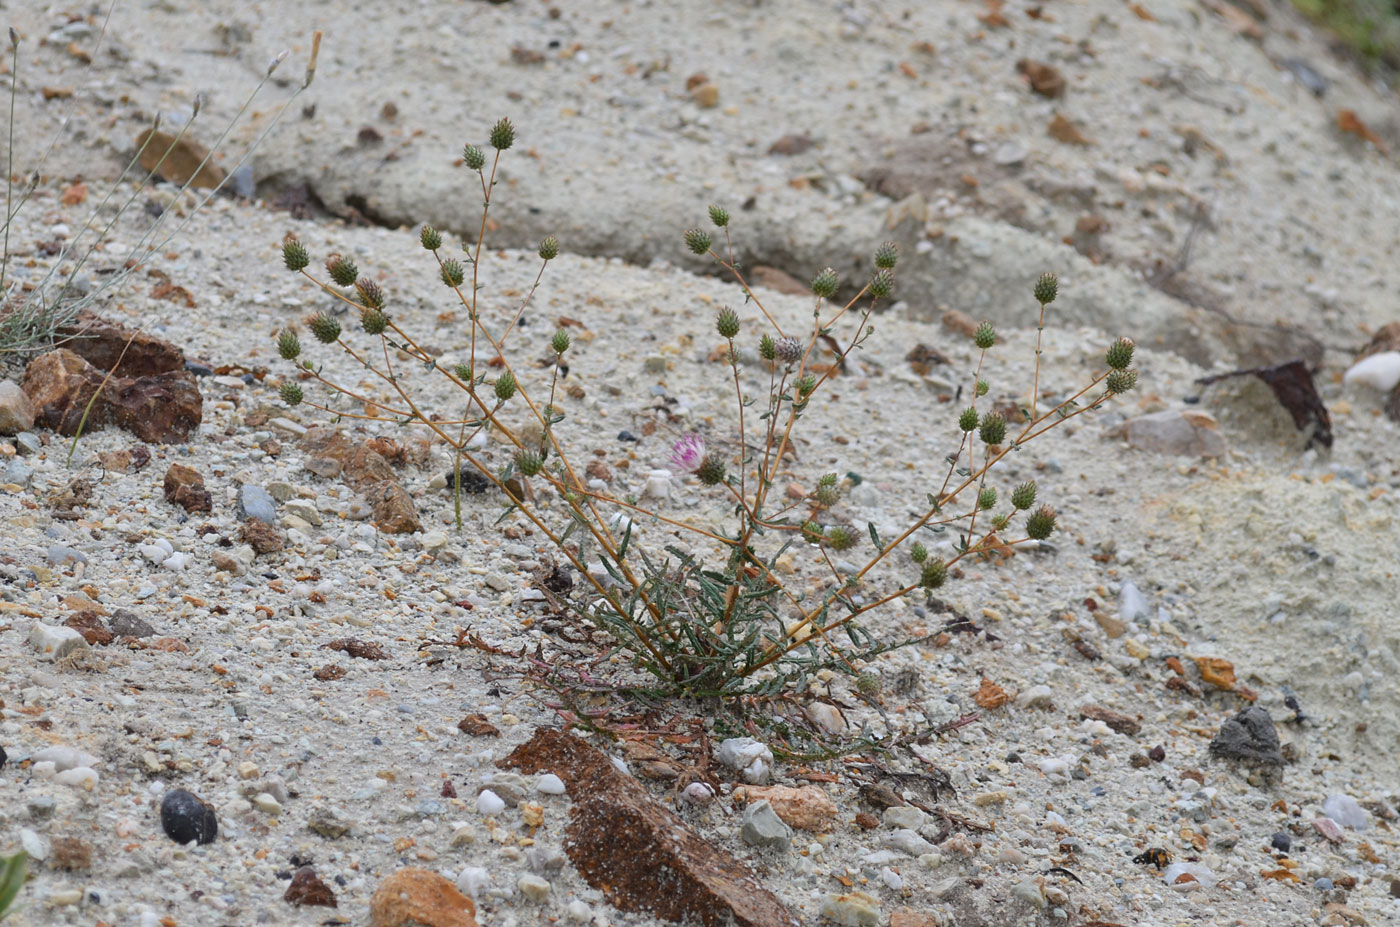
x,y
989,695
640,855
184,486
478,726
366,467
91,628
101,343
307,889
178,159
414,897
909,917
70,853
777,280
393,508
1043,78
261,536
1116,720
161,408
327,442
807,808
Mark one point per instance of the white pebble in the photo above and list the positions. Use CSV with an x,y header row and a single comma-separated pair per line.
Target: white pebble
x,y
550,784
534,888
55,643
488,802
1198,876
1379,371
892,880
471,880
83,777
578,911
65,758
697,793
1036,697
1346,811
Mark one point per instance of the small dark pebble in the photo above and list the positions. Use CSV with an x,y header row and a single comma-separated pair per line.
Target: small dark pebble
x,y
199,370
626,436
448,789
1395,887
3,757
1139,761
1191,400
1281,842
1157,754
1079,774
125,624
186,817
1013,757
472,481
308,889
377,742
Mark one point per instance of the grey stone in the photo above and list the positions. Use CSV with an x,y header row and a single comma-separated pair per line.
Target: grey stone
x,y
328,824
905,817
908,841
256,502
1249,736
18,472
28,444
763,828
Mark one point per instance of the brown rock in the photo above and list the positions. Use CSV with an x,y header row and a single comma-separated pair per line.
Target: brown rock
x,y
478,726
178,159
308,889
16,410
366,467
1116,720
791,144
807,808
705,96
418,898
184,486
325,441
1111,626
959,322
70,853
597,469
989,695
102,343
327,468
1044,79
261,536
160,409
908,917
640,855
393,508
90,627
778,280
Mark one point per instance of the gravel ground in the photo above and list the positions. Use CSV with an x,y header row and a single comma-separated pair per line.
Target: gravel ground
x,y
1252,558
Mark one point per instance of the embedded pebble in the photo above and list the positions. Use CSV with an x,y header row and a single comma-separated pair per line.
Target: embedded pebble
x,y
550,784
488,802
186,818
533,888
1346,811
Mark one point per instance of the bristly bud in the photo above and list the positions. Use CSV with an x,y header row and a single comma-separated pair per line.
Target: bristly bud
x,y
827,494
502,135
1120,381
986,336
982,387
698,241
868,684
373,321
882,284
370,293
918,552
804,385
887,255
841,537
560,342
934,574
788,349
1046,289
1040,523
811,532
1120,354
987,499
824,284
719,216
993,428
325,328
767,347
727,322
288,344
1023,496
473,157
342,270
295,255
528,461
453,273
291,393
711,470
505,386
968,420
430,238
549,248
464,373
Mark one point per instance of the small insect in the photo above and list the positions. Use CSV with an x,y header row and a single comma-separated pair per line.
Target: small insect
x,y
1154,857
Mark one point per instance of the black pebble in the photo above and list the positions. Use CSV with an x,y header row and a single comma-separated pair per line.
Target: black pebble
x,y
3,757
1157,754
472,482
199,370
186,817
377,742
626,436
1281,842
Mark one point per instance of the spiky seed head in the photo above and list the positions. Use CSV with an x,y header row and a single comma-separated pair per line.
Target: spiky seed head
x,y
727,322
1040,523
826,283
342,270
827,495
505,386
549,248
934,574
560,342
370,293
288,344
986,336
887,255
1121,381
430,238
698,241
1023,496
473,157
767,347
295,255
868,684
882,284
918,552
291,393
841,537
373,321
993,428
982,387
805,384
325,328
1000,522
502,135
463,372
1120,354
811,532
528,461
968,420
453,273
711,470
789,349
1046,288
987,499
719,216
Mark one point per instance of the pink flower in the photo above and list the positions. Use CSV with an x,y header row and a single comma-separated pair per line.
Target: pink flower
x,y
688,453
